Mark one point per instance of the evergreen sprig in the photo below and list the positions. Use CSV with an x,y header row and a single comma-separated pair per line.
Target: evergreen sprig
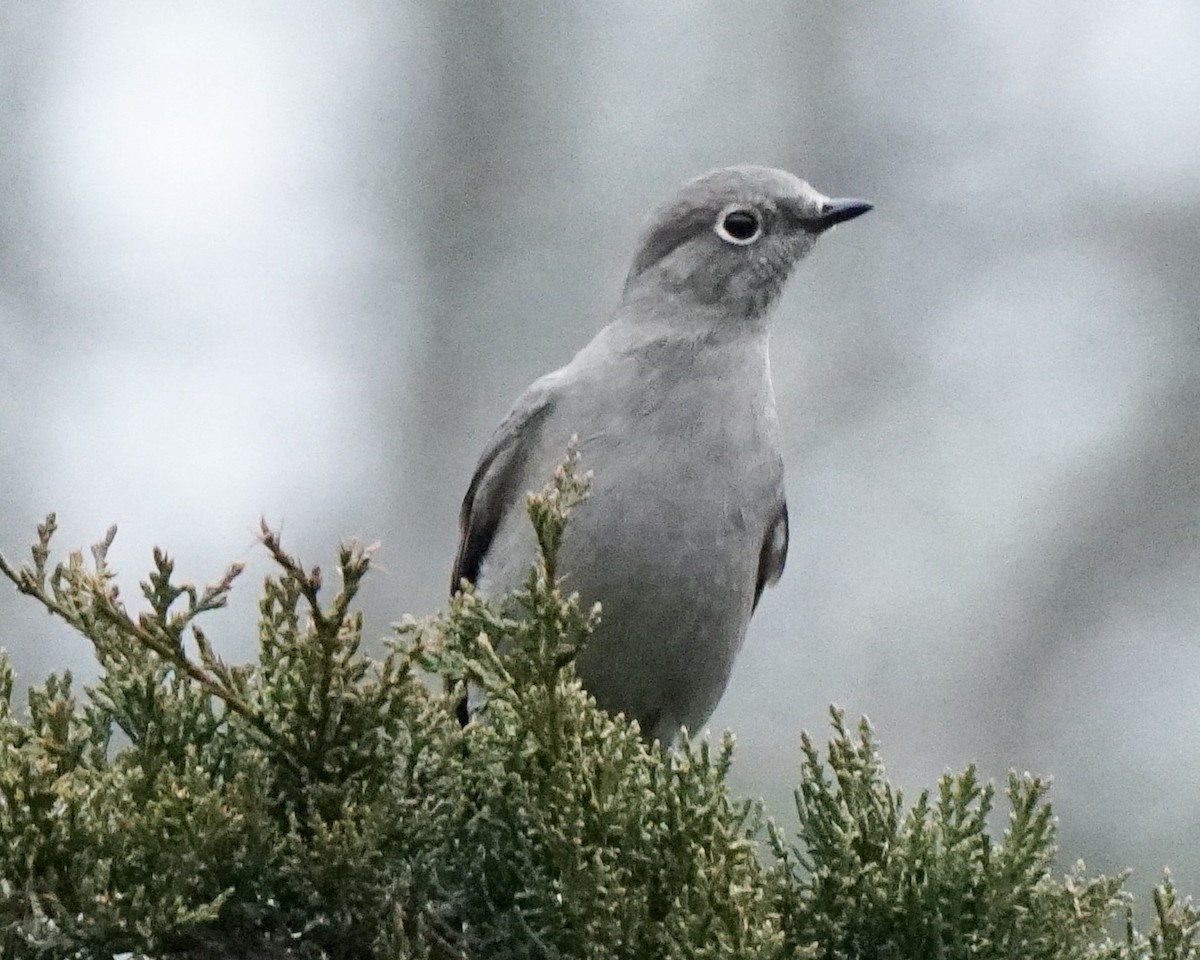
x,y
323,802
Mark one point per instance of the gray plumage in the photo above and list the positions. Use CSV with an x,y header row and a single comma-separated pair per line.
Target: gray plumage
x,y
673,407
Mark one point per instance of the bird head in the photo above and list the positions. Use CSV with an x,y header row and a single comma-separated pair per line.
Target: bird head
x,y
729,240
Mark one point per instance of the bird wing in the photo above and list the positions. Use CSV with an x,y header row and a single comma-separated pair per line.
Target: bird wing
x,y
491,489
773,554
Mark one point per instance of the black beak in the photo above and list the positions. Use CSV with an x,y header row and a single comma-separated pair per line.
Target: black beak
x,y
839,211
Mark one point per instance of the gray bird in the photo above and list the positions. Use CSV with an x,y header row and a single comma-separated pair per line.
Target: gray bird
x,y
675,414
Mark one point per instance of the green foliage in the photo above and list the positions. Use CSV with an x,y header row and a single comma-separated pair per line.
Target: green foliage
x,y
875,879
321,802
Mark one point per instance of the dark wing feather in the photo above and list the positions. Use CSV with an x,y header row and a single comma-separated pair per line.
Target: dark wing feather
x,y
773,554
491,488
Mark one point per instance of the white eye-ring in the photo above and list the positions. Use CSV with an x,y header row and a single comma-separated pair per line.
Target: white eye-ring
x,y
738,225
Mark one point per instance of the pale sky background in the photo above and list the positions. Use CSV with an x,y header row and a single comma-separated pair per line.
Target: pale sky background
x,y
295,260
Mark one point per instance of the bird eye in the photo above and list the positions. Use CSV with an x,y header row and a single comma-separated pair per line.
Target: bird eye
x,y
739,225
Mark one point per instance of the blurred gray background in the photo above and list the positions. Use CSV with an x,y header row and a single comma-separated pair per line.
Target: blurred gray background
x,y
296,260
